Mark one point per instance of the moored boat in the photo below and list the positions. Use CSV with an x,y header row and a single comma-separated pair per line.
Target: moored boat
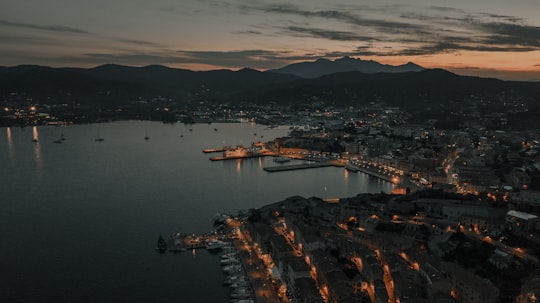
x,y
281,159
161,245
215,244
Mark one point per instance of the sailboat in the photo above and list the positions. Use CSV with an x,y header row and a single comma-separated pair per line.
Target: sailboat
x,y
161,245
99,138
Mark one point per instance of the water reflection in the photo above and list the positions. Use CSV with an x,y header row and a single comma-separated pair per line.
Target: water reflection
x,y
9,144
346,176
8,135
37,149
35,134
238,165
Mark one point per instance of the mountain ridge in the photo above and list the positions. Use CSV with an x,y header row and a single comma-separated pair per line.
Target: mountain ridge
x,y
322,67
112,84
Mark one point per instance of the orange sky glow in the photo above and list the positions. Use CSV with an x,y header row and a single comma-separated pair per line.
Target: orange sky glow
x,y
467,37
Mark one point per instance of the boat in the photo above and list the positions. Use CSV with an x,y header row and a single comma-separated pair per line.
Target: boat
x,y
282,159
215,244
229,255
161,245
227,262
57,141
352,168
220,219
146,138
99,138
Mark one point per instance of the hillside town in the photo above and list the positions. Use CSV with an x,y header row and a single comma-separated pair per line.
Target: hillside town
x,y
422,247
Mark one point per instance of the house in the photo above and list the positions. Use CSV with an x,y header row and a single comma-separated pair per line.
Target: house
x,y
468,287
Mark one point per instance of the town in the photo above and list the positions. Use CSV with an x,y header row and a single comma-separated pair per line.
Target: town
x,y
461,224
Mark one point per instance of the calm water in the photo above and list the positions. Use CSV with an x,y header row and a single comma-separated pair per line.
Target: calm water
x,y
79,220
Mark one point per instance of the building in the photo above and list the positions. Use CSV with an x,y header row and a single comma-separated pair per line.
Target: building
x,y
468,287
519,221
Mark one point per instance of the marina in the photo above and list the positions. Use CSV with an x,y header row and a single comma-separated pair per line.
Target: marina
x,y
245,273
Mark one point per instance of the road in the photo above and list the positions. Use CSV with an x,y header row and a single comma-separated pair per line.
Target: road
x,y
256,272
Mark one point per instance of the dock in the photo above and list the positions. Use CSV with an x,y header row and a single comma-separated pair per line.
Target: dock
x,y
272,169
221,158
182,242
381,176
217,150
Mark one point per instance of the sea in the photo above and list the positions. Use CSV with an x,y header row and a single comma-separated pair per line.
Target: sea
x,y
79,220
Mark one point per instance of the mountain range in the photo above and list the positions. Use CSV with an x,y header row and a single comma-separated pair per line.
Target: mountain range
x,y
343,82
322,67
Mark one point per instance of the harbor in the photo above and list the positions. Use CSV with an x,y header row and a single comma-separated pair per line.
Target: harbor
x,y
244,271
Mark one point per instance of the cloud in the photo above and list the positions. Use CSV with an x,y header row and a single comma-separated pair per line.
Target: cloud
x,y
512,34
260,59
137,42
252,32
51,28
53,39
418,30
337,15
327,34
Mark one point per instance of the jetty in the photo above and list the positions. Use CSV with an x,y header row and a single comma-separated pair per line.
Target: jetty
x,y
272,169
182,242
232,157
217,150
240,152
382,176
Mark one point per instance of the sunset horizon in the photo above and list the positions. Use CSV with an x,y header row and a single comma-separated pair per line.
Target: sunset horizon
x,y
465,37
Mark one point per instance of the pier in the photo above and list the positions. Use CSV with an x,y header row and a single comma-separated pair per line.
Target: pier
x,y
255,151
182,242
232,157
385,177
217,150
298,166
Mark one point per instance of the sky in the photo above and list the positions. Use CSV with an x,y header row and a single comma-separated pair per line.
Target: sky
x,y
487,38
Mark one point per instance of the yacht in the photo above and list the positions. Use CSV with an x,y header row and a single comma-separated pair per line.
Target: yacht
x,y
215,244
282,159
